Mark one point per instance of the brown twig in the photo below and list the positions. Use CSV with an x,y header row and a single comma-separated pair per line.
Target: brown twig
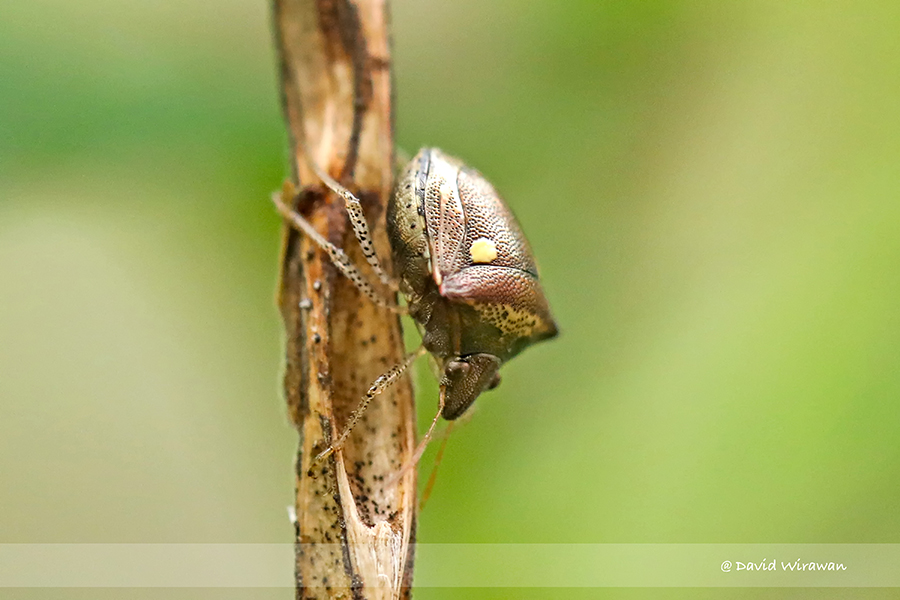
x,y
354,532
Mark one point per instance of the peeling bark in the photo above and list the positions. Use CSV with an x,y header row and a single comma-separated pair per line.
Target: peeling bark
x,y
353,532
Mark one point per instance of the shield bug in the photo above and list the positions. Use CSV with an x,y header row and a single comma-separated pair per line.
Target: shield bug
x,y
465,269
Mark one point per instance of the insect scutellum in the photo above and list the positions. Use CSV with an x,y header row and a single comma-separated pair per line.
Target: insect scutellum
x,y
464,267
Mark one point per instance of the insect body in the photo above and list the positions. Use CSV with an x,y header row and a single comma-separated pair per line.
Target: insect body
x,y
465,269
467,273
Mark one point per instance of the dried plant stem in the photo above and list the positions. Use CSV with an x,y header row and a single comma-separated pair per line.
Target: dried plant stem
x,y
354,532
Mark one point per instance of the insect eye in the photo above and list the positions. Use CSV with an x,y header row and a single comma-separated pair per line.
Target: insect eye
x,y
457,368
495,381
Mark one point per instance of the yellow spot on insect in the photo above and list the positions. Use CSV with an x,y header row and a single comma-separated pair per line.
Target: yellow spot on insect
x,y
483,251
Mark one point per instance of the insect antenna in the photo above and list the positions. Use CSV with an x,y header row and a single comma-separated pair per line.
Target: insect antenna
x,y
420,449
437,463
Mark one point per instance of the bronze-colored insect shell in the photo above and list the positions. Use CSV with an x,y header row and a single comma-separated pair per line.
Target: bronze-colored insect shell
x,y
467,272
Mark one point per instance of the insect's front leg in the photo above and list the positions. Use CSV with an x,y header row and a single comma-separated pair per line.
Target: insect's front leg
x,y
378,386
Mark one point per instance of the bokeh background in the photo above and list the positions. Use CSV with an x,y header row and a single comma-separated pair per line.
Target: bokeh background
x,y
712,190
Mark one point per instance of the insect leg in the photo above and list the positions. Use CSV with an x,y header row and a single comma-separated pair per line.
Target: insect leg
x,y
358,221
338,257
378,386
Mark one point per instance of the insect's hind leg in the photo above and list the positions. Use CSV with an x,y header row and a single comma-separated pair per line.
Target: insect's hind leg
x,y
337,256
357,221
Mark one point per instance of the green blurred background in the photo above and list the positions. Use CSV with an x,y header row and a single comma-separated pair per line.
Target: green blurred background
x,y
711,189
